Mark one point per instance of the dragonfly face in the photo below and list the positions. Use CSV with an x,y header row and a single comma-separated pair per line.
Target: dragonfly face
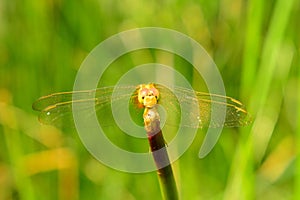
x,y
148,95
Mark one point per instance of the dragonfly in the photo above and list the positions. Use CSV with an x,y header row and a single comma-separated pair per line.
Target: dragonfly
x,y
57,106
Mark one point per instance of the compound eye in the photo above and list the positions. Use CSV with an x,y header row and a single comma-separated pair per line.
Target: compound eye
x,y
142,93
155,92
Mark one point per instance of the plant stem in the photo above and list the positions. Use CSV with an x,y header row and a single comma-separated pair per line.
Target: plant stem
x,y
160,154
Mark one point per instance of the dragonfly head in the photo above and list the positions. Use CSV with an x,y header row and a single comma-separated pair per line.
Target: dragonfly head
x,y
148,95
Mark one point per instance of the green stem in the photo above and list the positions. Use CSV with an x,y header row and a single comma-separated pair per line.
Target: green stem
x,y
160,154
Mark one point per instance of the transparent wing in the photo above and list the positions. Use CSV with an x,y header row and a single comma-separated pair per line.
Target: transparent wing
x,y
235,113
58,106
55,107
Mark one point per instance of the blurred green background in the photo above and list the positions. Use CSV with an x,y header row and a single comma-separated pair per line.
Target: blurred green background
x,y
254,43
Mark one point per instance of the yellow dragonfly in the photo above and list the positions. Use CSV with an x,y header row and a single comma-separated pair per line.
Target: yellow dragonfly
x,y
57,106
